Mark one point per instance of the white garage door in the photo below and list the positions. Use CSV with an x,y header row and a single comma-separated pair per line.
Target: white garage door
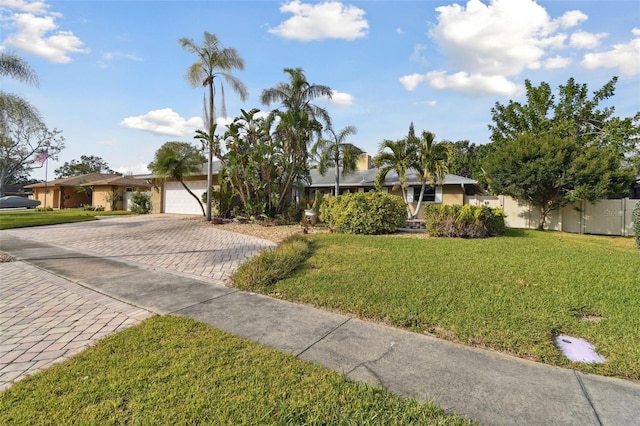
x,y
178,200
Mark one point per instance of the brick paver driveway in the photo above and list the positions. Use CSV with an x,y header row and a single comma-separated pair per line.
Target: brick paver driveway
x,y
177,244
45,318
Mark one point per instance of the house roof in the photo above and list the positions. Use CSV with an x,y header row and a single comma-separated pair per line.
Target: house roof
x,y
366,178
93,179
217,166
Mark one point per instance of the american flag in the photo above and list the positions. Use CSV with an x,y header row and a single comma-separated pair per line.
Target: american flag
x,y
42,156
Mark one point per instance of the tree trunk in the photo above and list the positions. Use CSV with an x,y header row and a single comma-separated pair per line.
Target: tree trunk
x,y
194,196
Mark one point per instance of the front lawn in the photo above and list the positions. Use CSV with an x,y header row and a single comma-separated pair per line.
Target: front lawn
x,y
174,371
25,218
512,293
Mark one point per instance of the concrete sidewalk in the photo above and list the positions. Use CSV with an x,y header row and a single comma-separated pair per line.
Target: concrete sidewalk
x,y
485,386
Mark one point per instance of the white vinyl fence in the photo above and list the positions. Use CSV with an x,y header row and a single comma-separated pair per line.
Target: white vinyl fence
x,y
605,217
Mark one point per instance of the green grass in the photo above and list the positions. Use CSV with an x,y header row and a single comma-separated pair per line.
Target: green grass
x,y
25,218
511,293
171,370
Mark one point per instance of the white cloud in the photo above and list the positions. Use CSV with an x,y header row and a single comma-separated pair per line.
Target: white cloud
x,y
40,36
329,19
136,169
427,103
556,62
623,56
109,57
164,122
585,40
487,44
36,7
571,19
410,82
339,98
501,38
472,84
417,55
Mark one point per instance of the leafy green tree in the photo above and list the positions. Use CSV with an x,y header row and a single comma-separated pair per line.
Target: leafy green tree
x,y
87,164
399,157
177,160
553,151
432,162
468,159
214,62
335,152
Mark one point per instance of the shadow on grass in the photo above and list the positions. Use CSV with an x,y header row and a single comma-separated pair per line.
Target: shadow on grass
x,y
516,233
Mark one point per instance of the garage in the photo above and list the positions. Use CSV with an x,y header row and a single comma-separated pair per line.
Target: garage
x,y
178,200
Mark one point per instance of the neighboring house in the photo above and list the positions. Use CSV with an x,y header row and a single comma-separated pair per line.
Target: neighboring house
x,y
106,190
452,191
170,197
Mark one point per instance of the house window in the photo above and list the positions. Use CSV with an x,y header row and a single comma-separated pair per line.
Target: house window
x,y
431,194
128,189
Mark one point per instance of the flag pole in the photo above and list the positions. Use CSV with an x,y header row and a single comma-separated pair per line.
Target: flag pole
x,y
46,172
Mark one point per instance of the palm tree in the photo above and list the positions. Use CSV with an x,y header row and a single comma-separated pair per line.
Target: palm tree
x,y
177,160
299,122
214,61
433,162
398,156
336,152
13,66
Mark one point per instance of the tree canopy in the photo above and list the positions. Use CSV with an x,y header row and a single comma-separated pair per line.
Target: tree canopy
x,y
554,150
87,164
335,152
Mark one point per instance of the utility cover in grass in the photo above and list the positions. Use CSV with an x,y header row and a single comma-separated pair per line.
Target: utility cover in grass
x,y
578,350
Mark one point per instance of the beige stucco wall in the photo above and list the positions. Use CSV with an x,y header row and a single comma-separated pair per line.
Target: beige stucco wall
x,y
156,199
102,194
52,197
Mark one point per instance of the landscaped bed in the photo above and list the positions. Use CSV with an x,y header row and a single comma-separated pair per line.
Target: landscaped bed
x,y
512,293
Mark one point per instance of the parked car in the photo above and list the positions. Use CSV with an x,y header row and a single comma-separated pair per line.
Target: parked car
x,y
14,202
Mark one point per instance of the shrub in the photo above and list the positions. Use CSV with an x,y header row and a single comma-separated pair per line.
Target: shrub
x,y
99,208
456,221
140,202
635,217
372,212
88,208
44,209
272,265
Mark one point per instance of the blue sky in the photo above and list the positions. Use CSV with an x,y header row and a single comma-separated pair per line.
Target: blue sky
x,y
112,72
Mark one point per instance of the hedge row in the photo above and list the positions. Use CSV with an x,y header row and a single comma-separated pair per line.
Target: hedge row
x,y
369,213
456,221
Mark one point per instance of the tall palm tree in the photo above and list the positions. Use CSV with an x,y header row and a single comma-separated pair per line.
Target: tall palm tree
x,y
398,156
433,162
300,120
297,95
177,160
214,62
15,67
336,152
